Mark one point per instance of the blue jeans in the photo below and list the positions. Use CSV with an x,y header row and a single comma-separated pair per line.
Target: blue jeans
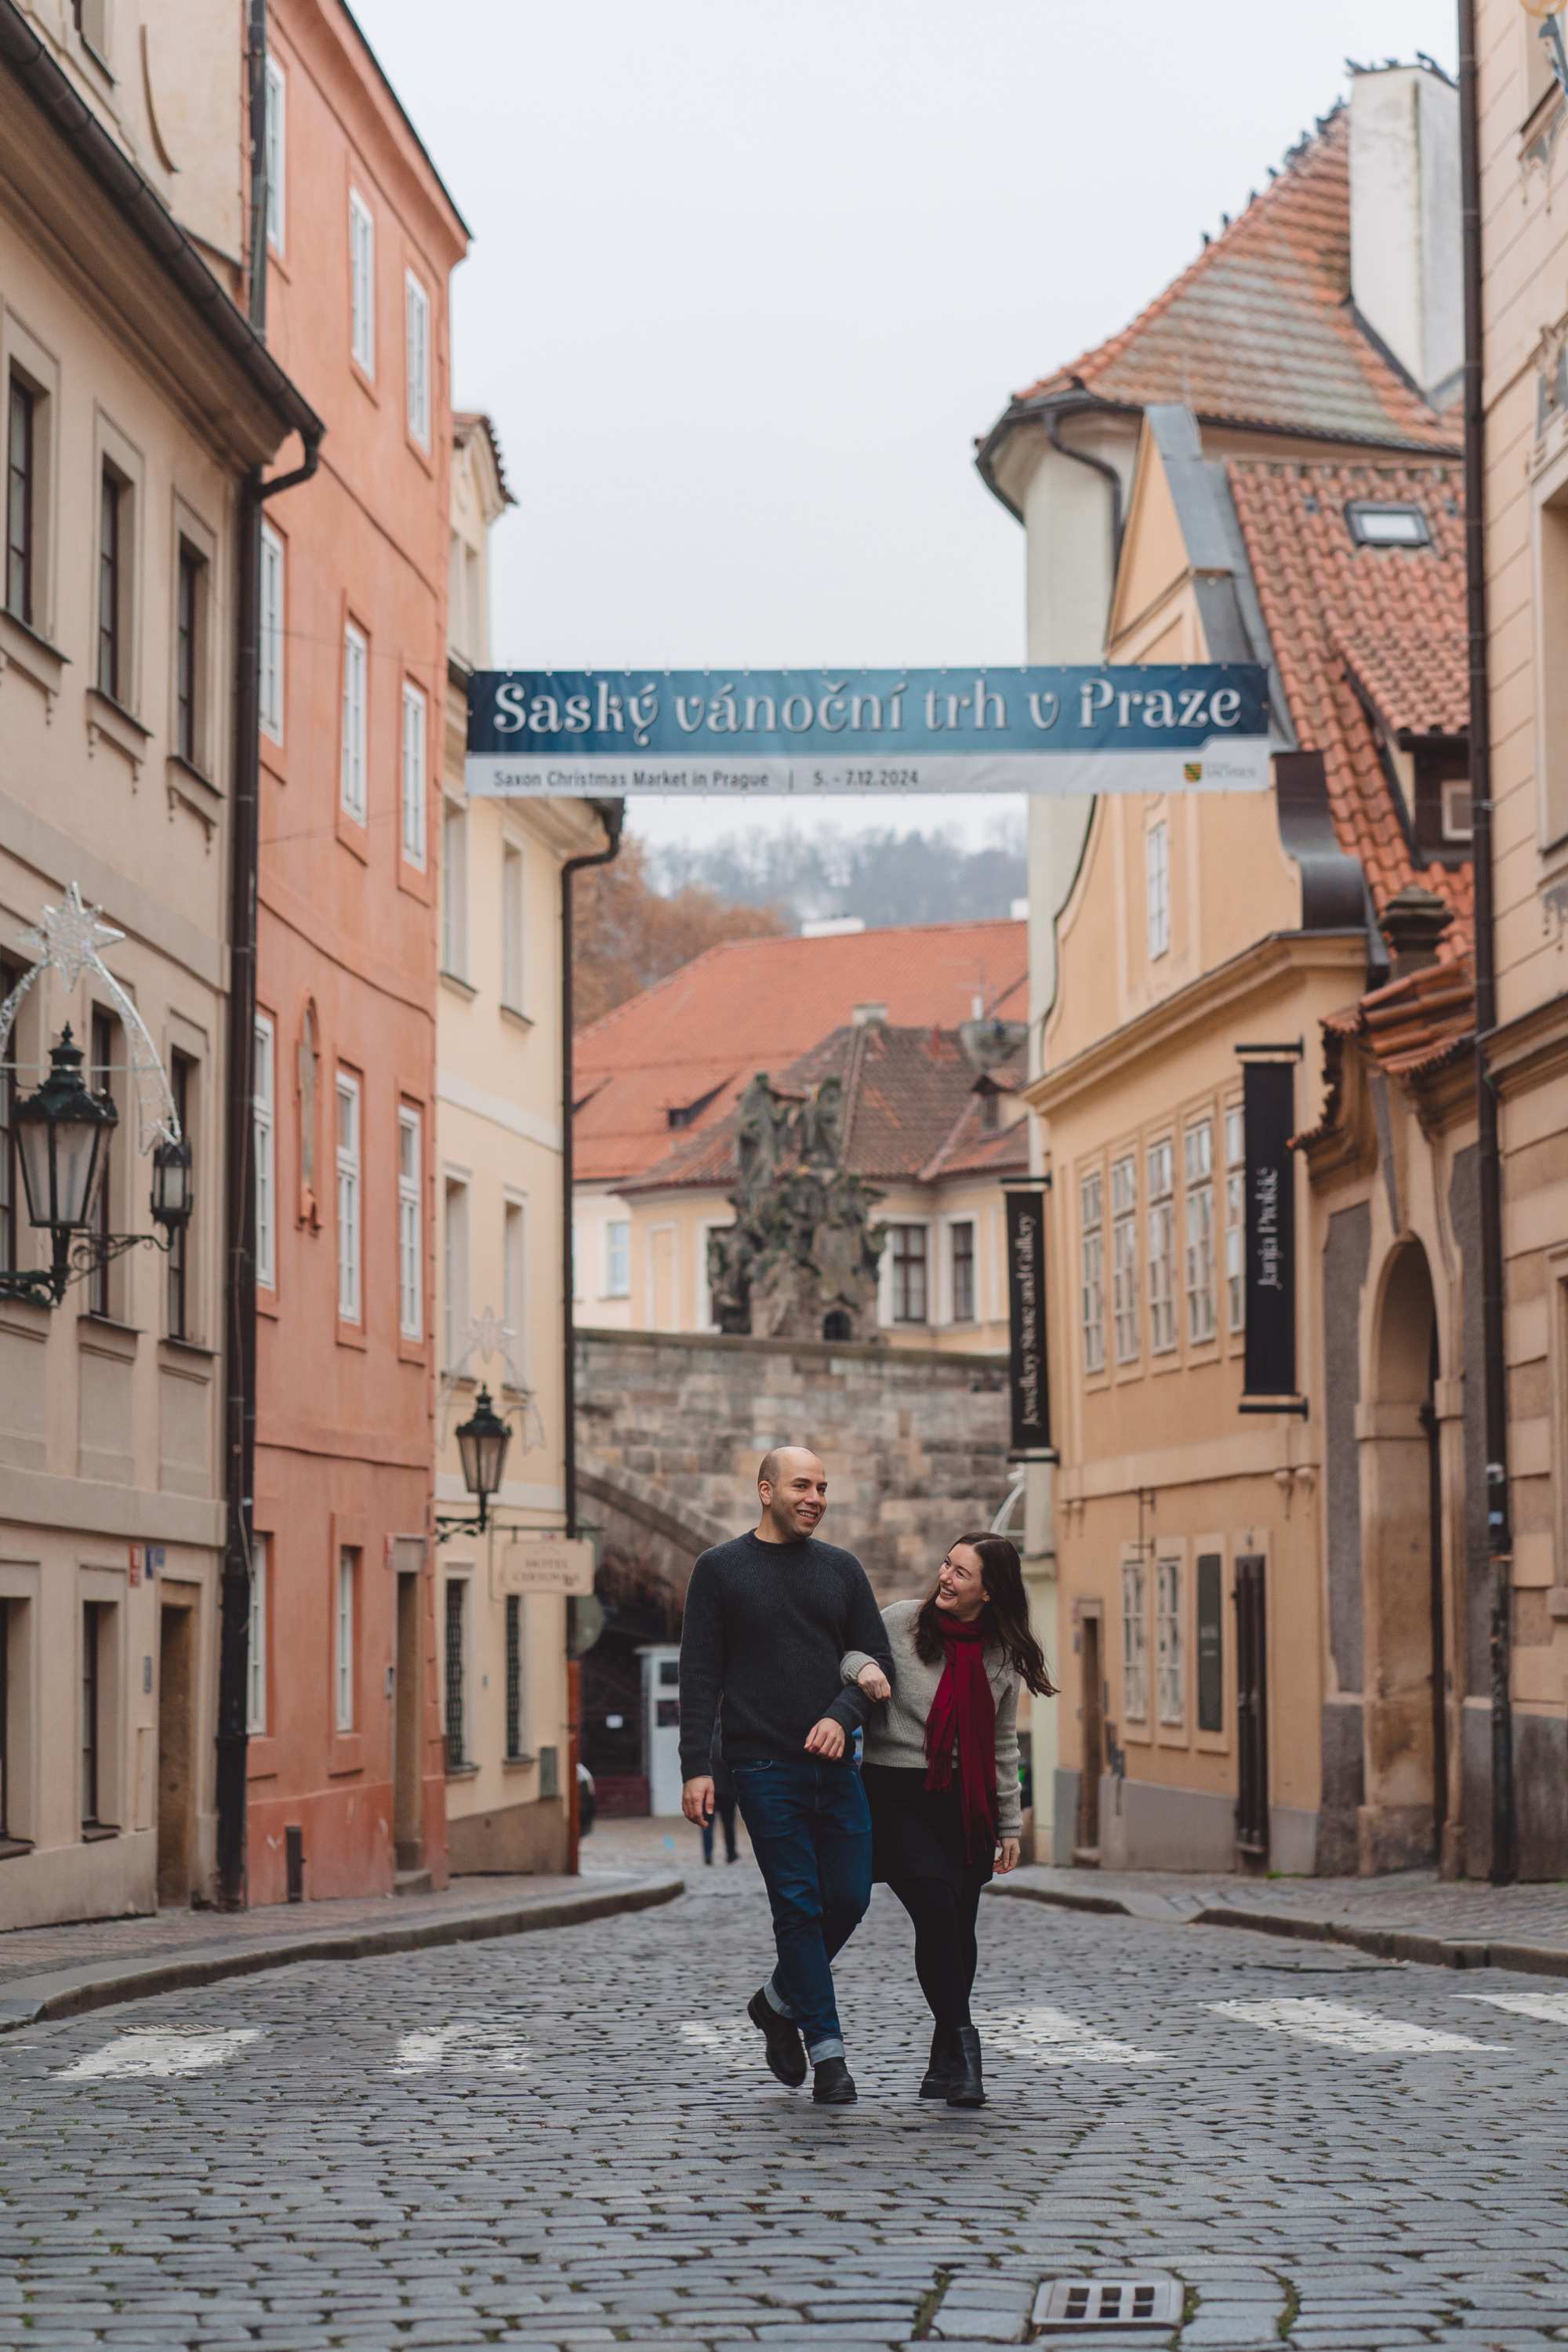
x,y
811,1832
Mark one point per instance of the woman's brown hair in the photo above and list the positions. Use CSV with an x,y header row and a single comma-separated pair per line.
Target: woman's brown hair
x,y
1008,1605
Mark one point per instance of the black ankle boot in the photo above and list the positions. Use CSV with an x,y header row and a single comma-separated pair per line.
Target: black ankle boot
x,y
940,2063
966,2087
831,2085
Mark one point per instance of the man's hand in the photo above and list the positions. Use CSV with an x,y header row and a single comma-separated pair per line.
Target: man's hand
x,y
825,1738
1007,1858
874,1682
696,1800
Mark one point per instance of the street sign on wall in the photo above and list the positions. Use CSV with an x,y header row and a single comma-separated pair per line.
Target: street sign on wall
x,y
1269,1117
1199,727
1026,1300
542,1564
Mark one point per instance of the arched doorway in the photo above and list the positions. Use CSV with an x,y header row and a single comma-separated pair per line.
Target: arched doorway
x,y
1404,1720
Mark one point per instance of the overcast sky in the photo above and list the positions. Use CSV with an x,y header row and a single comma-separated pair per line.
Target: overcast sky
x,y
748,279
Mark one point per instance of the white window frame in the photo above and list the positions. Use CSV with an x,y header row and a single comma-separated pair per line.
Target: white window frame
x,y
1234,1218
1161,1228
910,1226
276,136
1134,1643
270,634
1202,1320
514,925
614,1226
264,1122
456,1256
343,1641
1157,885
455,889
255,1643
351,1221
417,324
514,1277
954,1226
1124,1299
410,1223
361,282
356,692
415,765
1091,1232
1170,1661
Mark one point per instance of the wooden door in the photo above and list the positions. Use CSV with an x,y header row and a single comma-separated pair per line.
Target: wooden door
x,y
1086,1839
1251,1709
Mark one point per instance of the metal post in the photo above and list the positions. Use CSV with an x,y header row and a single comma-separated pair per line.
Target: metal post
x,y
1493,1367
612,815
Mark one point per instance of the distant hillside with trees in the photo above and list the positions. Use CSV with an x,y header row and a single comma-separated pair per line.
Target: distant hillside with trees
x,y
627,932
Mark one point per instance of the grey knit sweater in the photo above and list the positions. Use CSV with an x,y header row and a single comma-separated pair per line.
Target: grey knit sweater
x,y
896,1730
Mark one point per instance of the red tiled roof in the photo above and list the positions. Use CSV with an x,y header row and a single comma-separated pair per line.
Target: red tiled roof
x,y
760,1004
1259,329
1389,620
911,1113
1411,1028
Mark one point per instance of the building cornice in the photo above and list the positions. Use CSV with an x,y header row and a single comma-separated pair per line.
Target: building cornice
x,y
1266,967
1527,1052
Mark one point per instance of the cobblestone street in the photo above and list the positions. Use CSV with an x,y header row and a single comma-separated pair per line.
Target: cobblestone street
x,y
569,2138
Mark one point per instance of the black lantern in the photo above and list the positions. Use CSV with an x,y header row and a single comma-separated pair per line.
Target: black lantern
x,y
482,1442
171,1186
62,1131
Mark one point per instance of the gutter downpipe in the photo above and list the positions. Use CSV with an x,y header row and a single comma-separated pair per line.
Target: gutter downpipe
x,y
1051,418
613,815
1499,1544
239,1245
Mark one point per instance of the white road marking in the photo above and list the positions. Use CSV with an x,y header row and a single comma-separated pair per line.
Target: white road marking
x,y
1052,2038
149,2049
472,2046
1339,2027
1551,2006
737,2045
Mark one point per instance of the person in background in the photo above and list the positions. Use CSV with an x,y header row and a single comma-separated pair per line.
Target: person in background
x,y
768,1617
941,1772
724,1801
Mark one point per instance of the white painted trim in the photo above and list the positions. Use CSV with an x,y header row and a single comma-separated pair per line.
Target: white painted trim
x,y
464,1095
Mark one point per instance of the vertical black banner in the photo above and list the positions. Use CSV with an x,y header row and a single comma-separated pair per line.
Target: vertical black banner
x,y
1269,1108
1026,1294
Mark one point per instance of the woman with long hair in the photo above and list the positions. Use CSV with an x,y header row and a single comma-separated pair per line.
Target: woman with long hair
x,y
940,1775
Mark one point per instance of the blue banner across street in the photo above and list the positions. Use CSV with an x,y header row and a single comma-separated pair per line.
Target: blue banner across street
x,y
1197,726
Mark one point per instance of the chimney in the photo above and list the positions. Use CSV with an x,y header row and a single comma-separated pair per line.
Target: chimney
x,y
1404,220
1412,922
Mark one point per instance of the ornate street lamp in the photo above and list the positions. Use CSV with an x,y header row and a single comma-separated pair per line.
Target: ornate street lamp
x,y
482,1443
172,1201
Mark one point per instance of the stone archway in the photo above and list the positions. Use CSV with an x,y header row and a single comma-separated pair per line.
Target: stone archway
x,y
1400,1824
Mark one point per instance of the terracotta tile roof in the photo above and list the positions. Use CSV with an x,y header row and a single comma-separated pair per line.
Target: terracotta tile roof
x,y
1259,329
1411,1029
911,1114
699,1037
1352,625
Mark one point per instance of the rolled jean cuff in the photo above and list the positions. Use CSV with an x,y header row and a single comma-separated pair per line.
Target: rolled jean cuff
x,y
776,2000
817,2051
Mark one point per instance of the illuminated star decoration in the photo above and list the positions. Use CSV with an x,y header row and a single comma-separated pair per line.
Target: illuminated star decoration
x,y
68,939
487,1335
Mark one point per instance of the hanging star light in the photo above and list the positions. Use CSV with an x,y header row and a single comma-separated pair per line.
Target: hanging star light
x,y
69,938
487,1336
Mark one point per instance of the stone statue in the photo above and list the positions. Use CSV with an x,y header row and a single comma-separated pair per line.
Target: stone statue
x,y
800,1260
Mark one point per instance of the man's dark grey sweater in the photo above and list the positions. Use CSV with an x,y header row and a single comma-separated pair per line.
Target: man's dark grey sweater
x,y
767,1626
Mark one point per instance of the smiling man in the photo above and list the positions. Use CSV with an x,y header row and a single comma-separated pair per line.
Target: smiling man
x,y
768,1618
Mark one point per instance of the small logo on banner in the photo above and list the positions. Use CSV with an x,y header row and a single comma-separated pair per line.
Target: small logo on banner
x,y
1192,771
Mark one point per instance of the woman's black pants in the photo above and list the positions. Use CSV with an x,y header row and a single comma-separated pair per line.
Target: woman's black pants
x,y
945,1950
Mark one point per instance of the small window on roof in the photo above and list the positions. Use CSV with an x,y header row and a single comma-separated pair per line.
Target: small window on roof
x,y
1373,523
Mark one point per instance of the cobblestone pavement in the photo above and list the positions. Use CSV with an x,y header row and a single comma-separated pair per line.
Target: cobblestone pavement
x,y
568,2139
1461,1911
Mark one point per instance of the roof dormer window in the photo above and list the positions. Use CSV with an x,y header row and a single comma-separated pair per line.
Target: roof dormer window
x,y
1373,523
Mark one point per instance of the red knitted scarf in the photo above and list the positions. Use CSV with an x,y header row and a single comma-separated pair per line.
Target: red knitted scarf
x,y
963,1710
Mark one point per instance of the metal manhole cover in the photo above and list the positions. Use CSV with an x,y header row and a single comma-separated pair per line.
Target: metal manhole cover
x,y
1110,2303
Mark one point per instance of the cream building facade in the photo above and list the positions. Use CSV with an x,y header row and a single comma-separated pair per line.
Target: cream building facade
x,y
137,400
499,1212
1524,250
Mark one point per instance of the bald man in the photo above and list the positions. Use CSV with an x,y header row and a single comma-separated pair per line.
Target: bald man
x,y
768,1618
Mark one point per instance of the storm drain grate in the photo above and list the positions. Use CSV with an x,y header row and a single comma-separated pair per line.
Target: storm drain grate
x,y
1110,2303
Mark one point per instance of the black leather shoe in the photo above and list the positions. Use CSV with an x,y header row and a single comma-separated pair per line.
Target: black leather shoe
x,y
786,2052
834,2085
940,2065
966,2087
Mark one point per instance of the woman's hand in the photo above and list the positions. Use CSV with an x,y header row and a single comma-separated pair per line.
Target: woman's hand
x,y
1006,1856
874,1682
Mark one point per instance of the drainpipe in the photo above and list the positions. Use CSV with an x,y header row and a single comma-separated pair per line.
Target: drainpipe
x,y
1499,1546
612,815
1052,419
239,1239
